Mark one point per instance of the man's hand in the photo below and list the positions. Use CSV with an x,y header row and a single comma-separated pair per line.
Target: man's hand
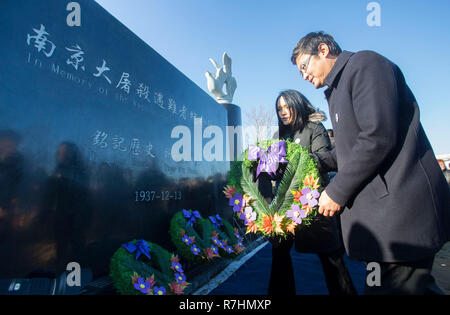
x,y
327,206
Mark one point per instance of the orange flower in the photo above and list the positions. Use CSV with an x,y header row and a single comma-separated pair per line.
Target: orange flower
x,y
310,181
229,191
307,209
252,228
267,224
291,227
297,194
278,219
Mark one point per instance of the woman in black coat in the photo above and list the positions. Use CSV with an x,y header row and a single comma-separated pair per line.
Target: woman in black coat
x,y
300,122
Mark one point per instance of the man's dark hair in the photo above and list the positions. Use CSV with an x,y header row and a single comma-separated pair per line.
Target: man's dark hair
x,y
310,45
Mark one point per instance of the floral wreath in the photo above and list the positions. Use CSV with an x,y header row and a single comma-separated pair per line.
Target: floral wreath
x,y
141,267
201,240
296,202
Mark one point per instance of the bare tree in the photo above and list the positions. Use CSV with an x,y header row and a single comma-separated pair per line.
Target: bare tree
x,y
260,124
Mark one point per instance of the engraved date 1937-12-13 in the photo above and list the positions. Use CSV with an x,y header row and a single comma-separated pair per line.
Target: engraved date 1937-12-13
x,y
152,195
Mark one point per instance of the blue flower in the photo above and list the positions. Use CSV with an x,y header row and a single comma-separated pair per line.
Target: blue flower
x,y
141,247
191,216
214,249
186,240
195,249
237,202
159,291
215,240
143,286
217,221
180,277
229,249
177,267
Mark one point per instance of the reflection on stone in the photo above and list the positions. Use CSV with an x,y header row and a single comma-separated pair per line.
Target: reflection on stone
x,y
74,150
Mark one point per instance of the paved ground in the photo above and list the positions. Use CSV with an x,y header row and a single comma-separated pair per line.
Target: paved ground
x,y
441,269
252,277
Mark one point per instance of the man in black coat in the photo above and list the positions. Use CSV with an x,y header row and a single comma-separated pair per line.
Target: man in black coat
x,y
394,199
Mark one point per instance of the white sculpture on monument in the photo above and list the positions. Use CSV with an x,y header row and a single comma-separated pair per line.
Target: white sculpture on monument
x,y
222,77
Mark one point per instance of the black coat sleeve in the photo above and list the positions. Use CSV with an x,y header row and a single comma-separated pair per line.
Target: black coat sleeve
x,y
320,141
373,90
326,161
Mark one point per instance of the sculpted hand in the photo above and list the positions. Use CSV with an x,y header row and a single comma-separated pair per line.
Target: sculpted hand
x,y
327,206
216,83
222,77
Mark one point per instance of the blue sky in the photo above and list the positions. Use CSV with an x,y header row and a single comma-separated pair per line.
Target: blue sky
x,y
259,36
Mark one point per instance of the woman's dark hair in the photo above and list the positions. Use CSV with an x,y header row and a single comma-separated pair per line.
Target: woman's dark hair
x,y
301,109
310,45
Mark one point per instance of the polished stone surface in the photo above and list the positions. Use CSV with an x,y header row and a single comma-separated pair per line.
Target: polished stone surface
x,y
86,116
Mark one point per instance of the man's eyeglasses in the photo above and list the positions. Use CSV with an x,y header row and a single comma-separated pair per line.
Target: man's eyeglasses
x,y
305,64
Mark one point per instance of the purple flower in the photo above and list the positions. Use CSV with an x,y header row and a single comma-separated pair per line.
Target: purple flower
x,y
249,215
240,244
214,249
179,277
177,267
229,249
195,249
143,286
159,291
309,197
296,214
239,237
237,202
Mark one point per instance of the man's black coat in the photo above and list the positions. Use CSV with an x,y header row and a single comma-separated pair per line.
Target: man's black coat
x,y
397,202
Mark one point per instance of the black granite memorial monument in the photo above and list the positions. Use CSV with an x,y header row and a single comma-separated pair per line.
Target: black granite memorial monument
x,y
86,120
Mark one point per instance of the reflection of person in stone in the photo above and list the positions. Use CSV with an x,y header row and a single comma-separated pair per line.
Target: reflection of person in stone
x,y
394,197
300,122
11,174
66,204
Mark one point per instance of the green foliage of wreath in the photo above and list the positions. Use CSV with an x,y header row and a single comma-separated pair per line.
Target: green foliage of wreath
x,y
201,232
230,235
300,167
125,269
